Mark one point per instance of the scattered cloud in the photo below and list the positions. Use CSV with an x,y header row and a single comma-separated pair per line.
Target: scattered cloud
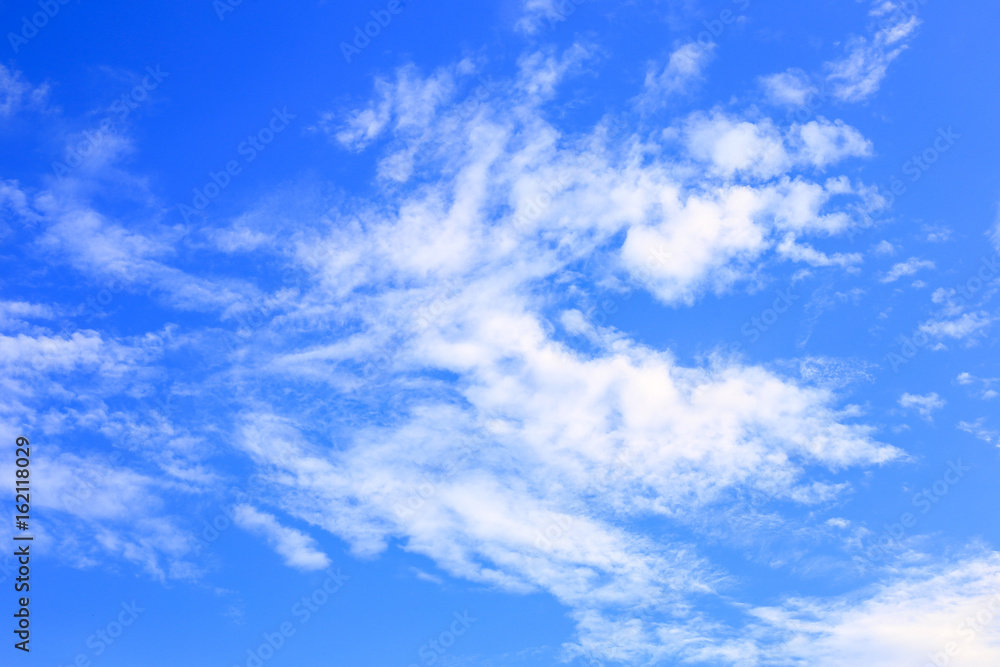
x,y
984,385
791,88
907,268
967,326
885,248
936,233
979,430
428,382
925,404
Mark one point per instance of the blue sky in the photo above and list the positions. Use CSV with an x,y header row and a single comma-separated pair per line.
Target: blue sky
x,y
509,333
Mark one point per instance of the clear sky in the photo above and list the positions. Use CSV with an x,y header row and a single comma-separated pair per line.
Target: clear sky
x,y
514,333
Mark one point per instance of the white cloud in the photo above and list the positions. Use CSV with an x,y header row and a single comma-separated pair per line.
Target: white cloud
x,y
24,354
122,257
824,143
731,145
535,13
859,74
96,489
966,326
907,268
686,64
298,549
541,71
885,248
790,88
924,404
936,233
912,620
17,314
406,104
17,207
16,93
734,146
800,252
239,238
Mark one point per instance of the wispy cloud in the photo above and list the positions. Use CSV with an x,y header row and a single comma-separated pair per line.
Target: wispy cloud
x,y
859,74
685,66
17,94
907,268
298,549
